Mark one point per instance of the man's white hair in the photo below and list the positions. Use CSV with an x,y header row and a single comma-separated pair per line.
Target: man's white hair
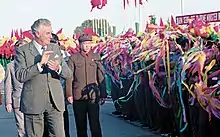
x,y
38,23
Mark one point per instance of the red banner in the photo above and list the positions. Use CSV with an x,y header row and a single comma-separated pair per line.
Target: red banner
x,y
206,17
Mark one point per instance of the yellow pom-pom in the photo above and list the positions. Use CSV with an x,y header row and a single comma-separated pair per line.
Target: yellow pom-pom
x,y
139,34
61,36
73,45
95,38
27,39
14,39
2,41
207,29
218,34
71,42
66,46
6,38
192,31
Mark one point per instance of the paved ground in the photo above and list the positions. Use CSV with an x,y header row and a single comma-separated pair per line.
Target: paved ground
x,y
112,126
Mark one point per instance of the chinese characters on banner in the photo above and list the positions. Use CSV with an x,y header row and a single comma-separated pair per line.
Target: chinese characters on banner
x,y
206,17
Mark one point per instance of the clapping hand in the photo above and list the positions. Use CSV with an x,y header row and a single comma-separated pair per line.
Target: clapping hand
x,y
45,57
53,65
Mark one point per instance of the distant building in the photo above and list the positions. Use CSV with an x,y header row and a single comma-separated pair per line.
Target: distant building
x,y
102,27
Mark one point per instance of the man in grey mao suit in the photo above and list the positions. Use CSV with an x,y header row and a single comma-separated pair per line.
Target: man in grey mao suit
x,y
39,66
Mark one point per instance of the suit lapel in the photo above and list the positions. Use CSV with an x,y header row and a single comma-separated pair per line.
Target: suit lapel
x,y
33,49
50,48
36,57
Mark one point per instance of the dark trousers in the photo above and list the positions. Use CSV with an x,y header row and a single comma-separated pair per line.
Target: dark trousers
x,y
66,122
82,109
204,125
139,99
116,92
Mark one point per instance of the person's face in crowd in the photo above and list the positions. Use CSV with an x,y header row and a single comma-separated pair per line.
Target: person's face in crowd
x,y
44,34
86,46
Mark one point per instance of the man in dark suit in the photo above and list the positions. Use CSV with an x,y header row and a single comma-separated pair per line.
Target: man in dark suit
x,y
87,87
39,65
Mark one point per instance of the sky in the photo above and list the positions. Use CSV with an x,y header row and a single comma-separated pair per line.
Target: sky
x,y
68,14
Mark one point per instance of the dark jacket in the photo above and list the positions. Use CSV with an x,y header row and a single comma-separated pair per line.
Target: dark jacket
x,y
87,82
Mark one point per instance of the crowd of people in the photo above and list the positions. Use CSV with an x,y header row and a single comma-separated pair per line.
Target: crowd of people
x,y
166,78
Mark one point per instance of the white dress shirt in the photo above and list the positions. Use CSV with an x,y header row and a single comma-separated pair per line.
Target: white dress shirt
x,y
39,47
65,53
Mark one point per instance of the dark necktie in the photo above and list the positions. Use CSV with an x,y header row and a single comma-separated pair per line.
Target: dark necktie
x,y
43,49
44,66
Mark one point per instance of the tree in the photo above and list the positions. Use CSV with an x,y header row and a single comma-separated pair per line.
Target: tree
x,y
78,30
85,24
100,26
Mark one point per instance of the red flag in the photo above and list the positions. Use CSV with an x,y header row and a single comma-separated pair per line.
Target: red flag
x,y
216,28
21,37
28,34
135,3
173,23
7,50
124,3
140,2
2,48
12,33
76,36
99,4
60,31
104,2
161,22
95,3
130,33
89,31
17,35
12,48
